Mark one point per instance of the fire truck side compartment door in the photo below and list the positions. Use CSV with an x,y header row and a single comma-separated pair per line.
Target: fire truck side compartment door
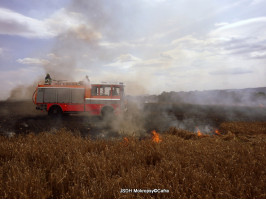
x,y
49,95
39,98
77,95
63,95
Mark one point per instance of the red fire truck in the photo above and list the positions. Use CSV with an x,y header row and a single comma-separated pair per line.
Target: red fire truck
x,y
74,97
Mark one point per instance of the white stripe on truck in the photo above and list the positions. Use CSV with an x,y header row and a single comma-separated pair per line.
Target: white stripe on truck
x,y
102,99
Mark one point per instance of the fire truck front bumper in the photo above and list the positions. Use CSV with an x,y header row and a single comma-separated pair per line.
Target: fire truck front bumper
x,y
41,107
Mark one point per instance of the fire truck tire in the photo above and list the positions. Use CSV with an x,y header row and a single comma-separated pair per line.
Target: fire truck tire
x,y
107,113
55,111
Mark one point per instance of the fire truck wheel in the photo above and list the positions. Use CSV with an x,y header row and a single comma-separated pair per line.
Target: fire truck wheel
x,y
107,113
55,111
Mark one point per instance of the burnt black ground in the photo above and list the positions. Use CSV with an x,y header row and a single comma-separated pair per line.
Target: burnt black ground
x,y
21,117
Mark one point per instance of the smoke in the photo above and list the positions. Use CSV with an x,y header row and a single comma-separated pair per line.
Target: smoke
x,y
242,97
94,38
23,92
80,48
71,50
76,48
77,43
132,122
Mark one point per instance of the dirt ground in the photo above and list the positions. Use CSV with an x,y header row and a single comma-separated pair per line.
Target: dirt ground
x,y
22,118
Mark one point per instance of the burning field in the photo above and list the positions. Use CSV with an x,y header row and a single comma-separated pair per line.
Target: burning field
x,y
190,76
164,151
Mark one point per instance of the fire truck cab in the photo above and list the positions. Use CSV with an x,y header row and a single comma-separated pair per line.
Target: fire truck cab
x,y
75,97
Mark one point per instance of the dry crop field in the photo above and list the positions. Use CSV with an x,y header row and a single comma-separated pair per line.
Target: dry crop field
x,y
63,163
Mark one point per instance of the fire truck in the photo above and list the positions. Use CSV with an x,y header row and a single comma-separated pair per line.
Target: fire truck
x,y
59,97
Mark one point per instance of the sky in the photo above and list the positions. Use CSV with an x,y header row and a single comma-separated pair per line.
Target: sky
x,y
150,45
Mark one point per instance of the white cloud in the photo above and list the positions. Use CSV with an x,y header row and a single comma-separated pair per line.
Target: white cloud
x,y
114,45
222,58
192,42
231,71
13,23
221,24
125,61
256,54
33,61
249,28
255,2
127,58
243,38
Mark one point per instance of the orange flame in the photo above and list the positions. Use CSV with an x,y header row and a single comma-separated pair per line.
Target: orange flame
x,y
217,132
199,133
125,141
155,137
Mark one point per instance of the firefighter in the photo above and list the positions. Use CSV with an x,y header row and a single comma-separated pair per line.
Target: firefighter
x,y
87,81
48,79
